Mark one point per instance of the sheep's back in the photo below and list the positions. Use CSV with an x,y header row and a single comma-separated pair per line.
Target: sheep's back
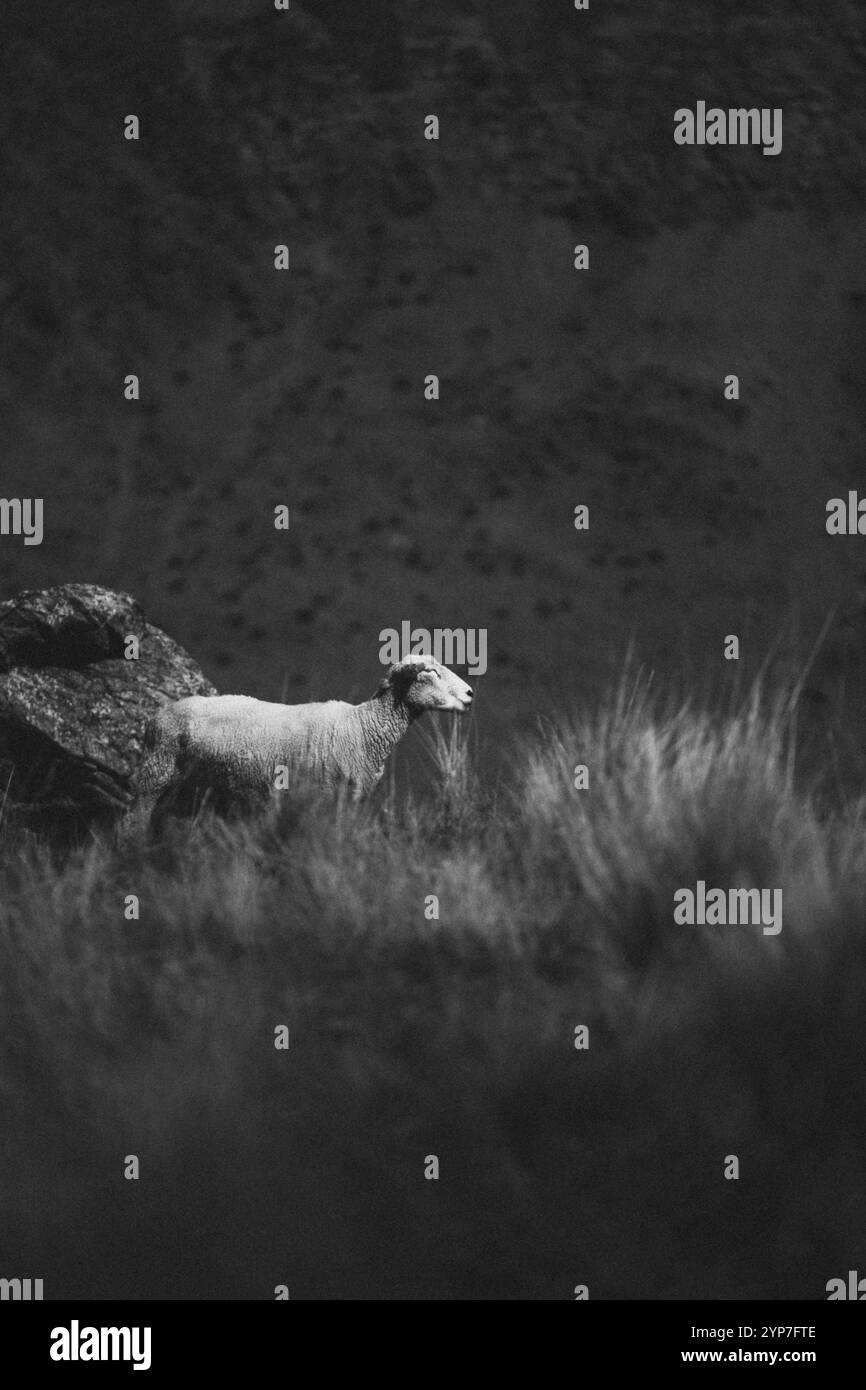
x,y
253,737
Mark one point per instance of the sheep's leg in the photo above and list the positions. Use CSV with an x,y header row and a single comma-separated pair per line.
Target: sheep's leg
x,y
156,773
136,821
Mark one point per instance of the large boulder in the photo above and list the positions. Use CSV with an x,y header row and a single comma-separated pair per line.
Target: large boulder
x,y
72,706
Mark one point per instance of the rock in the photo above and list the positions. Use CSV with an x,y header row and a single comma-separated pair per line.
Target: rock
x,y
73,708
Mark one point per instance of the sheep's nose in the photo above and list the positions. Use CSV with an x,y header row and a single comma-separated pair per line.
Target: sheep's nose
x,y
469,692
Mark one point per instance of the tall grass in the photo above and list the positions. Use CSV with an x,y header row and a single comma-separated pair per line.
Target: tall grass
x,y
414,1035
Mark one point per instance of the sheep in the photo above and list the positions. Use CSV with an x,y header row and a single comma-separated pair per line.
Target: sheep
x,y
232,748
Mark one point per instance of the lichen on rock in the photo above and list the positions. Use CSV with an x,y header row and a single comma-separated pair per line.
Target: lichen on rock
x,y
74,705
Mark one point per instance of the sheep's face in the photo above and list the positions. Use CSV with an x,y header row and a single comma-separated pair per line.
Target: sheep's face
x,y
422,682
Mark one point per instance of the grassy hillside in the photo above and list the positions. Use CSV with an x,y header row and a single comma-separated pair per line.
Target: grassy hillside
x,y
453,1037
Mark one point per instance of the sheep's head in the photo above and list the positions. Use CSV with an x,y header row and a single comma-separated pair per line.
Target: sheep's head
x,y
422,682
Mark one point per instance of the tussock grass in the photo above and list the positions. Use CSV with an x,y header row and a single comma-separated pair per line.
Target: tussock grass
x,y
453,1036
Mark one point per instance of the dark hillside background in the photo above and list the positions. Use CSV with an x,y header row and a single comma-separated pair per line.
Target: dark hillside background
x,y
409,257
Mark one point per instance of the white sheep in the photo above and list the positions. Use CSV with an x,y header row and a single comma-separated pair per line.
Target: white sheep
x,y
234,749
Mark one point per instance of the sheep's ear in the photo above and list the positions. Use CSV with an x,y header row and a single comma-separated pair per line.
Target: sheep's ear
x,y
404,673
395,676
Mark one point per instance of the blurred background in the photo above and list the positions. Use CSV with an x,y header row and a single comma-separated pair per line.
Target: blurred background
x,y
409,257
